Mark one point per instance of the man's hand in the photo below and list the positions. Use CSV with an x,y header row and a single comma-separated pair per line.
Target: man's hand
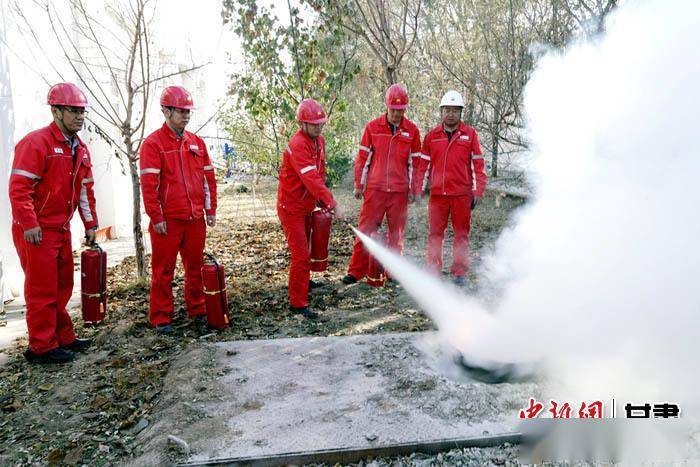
x,y
90,236
211,220
357,193
33,235
338,212
160,228
411,198
476,200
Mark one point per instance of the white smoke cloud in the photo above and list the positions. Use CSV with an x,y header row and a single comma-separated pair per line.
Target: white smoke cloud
x,y
601,271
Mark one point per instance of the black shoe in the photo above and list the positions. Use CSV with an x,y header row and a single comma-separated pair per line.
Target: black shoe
x,y
304,311
198,319
348,279
164,329
459,281
315,285
52,356
78,345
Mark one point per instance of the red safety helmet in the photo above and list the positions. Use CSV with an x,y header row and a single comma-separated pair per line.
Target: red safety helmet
x,y
176,96
396,97
310,111
66,94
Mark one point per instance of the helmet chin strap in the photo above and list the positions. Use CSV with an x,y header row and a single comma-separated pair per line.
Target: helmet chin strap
x,y
62,126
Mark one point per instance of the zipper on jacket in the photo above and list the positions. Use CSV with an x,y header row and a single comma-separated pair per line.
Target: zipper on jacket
x,y
184,180
388,157
444,162
76,169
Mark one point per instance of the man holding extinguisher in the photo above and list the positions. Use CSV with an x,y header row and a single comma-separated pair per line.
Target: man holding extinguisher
x,y
302,187
179,194
52,177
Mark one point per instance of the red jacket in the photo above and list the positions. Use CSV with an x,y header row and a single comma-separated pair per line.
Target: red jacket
x,y
450,166
45,188
302,175
177,177
385,161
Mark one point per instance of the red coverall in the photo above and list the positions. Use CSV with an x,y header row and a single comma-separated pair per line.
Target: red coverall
x,y
302,185
450,165
48,182
384,168
179,187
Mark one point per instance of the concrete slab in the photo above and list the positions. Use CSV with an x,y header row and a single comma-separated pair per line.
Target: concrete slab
x,y
290,395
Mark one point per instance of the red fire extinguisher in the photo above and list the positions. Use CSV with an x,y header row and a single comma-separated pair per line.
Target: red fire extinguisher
x,y
321,220
375,271
215,293
93,284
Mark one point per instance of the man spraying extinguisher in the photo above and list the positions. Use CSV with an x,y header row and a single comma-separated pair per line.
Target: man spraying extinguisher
x,y
452,164
179,193
302,187
52,177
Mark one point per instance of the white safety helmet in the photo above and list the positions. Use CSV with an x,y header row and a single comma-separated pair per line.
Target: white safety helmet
x,y
452,99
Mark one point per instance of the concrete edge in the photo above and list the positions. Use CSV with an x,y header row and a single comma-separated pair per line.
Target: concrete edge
x,y
349,455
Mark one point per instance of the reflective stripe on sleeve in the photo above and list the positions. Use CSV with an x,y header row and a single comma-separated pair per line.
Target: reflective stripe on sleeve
x,y
25,173
307,169
85,205
150,171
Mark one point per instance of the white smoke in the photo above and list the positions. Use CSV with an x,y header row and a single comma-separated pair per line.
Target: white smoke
x,y
602,269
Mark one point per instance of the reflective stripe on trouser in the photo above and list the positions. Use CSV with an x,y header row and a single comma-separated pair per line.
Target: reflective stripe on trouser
x,y
48,285
297,228
440,209
377,204
186,238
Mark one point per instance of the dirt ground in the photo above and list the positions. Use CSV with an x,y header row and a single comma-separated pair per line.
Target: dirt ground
x,y
90,411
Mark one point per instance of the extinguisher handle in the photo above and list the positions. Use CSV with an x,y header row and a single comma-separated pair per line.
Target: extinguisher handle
x,y
212,258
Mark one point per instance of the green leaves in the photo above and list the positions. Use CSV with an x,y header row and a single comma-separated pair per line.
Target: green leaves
x,y
284,63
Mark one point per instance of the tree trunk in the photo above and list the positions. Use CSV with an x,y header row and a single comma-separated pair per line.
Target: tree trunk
x,y
494,159
136,218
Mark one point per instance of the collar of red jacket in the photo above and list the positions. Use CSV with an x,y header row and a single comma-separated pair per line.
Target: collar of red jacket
x,y
59,136
306,137
401,125
171,134
461,127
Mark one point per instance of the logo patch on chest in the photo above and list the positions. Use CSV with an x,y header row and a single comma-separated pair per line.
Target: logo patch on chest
x,y
194,147
58,150
405,133
464,137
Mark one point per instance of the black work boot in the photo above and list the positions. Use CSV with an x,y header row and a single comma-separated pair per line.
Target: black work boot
x,y
459,281
58,355
304,311
78,345
315,285
164,329
348,279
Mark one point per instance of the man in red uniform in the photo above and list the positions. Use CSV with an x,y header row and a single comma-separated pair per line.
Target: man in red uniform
x,y
302,187
179,192
383,175
51,177
453,165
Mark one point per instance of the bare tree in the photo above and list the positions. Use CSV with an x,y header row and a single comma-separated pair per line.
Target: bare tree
x,y
589,14
388,27
111,56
